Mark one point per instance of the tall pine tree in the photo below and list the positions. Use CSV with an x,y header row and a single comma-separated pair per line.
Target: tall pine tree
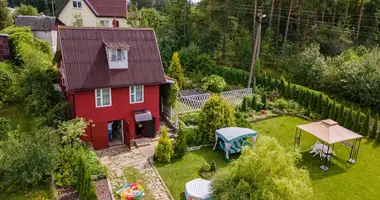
x,y
340,118
305,102
356,126
348,120
364,131
375,127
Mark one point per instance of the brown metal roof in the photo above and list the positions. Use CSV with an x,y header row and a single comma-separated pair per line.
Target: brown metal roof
x,y
37,23
85,61
117,45
104,8
329,131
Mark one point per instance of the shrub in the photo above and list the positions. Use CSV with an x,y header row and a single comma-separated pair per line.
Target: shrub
x,y
356,126
85,186
375,127
281,104
6,80
365,127
245,176
175,70
28,158
216,113
340,118
318,108
308,111
348,120
5,127
264,101
164,149
172,96
180,146
25,10
244,104
332,112
191,136
213,83
190,118
254,102
213,166
306,100
325,111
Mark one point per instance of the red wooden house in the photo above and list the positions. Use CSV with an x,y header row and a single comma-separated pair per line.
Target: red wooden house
x,y
111,75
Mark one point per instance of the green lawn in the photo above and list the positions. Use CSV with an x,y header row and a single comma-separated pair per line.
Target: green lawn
x,y
37,193
342,181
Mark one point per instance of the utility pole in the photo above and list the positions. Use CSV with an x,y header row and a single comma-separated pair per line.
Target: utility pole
x,y
256,49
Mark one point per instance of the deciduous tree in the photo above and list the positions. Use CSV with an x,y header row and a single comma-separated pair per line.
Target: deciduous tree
x,y
5,15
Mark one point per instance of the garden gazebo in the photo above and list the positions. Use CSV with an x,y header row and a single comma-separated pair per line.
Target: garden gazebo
x,y
330,133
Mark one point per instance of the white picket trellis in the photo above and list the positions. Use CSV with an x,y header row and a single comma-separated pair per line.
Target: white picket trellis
x,y
194,103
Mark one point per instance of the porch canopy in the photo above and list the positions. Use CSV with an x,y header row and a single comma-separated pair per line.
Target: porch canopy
x,y
142,115
329,132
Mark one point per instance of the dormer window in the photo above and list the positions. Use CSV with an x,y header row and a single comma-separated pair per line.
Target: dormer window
x,y
77,4
117,55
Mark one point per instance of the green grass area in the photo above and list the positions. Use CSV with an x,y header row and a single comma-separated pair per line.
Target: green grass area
x,y
36,193
342,181
178,172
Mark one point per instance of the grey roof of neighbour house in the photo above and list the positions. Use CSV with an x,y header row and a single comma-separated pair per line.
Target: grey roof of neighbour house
x,y
36,23
84,57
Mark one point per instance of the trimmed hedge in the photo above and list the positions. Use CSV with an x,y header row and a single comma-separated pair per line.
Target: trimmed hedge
x,y
318,101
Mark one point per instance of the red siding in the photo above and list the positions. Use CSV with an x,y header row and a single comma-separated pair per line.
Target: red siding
x,y
121,109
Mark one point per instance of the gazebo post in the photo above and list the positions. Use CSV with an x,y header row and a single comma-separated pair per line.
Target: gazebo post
x,y
216,143
297,138
354,151
325,160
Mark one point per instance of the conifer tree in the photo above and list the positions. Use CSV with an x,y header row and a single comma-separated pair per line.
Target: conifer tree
x,y
288,92
348,120
308,111
340,117
254,102
375,127
301,96
364,131
356,126
244,104
264,101
282,86
294,92
318,107
325,111
332,112
305,101
175,70
313,100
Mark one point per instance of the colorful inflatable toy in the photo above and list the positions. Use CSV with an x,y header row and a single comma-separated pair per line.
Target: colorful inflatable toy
x,y
131,191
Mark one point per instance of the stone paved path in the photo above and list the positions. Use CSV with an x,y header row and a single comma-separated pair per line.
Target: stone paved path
x,y
118,158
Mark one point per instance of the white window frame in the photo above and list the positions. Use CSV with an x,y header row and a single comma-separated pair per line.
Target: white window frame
x,y
119,53
78,2
101,97
133,101
103,24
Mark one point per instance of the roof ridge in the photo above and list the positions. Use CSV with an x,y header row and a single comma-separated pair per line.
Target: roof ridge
x,y
104,28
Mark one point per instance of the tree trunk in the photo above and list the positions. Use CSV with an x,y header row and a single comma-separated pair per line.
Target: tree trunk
x,y
298,21
306,29
287,26
225,30
271,14
333,21
345,15
360,20
323,11
278,23
315,16
254,24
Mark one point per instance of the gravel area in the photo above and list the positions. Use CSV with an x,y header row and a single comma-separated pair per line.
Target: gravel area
x,y
102,190
68,194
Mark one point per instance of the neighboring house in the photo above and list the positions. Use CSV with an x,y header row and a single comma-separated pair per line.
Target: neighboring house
x,y
43,27
95,13
112,75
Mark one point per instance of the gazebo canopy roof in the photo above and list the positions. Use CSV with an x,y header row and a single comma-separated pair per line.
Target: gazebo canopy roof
x,y
234,133
329,131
